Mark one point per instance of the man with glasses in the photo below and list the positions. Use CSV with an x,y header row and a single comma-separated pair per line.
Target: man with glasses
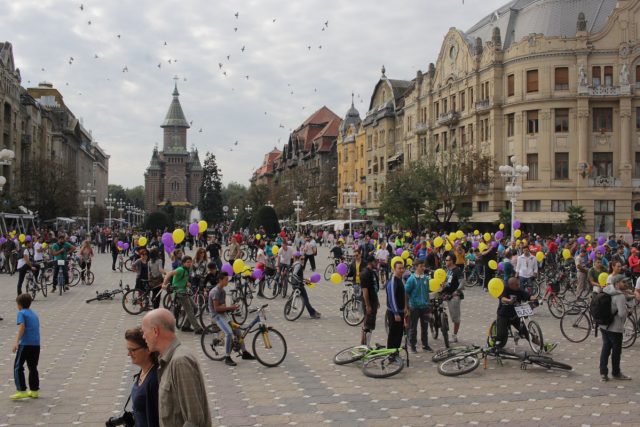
x,y
453,295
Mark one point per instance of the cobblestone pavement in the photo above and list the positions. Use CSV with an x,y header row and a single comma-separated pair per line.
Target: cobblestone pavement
x,y
86,376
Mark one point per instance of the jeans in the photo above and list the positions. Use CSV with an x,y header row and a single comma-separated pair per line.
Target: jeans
x,y
611,345
396,331
312,260
223,323
420,314
305,298
29,354
21,273
524,281
502,329
65,274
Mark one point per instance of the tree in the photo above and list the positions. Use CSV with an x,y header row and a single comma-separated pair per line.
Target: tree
x,y
242,221
258,196
575,219
464,214
211,191
170,211
505,217
158,220
267,218
130,196
233,195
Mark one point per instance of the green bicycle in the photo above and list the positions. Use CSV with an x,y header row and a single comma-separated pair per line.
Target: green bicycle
x,y
379,362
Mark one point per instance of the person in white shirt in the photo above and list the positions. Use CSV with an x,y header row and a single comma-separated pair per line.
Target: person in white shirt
x,y
284,256
24,263
310,250
38,256
526,268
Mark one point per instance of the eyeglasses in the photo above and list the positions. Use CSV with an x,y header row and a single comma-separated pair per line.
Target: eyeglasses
x,y
133,350
448,260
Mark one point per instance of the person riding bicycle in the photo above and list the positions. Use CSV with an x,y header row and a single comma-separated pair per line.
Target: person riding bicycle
x,y
297,282
60,251
285,254
220,315
141,267
86,256
338,251
24,263
180,283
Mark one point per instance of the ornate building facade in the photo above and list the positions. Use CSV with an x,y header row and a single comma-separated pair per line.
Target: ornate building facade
x,y
174,173
351,158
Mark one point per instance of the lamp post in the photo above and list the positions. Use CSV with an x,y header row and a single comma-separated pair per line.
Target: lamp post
x,y
129,209
348,197
109,203
511,173
269,204
90,194
298,203
120,203
235,213
6,158
248,209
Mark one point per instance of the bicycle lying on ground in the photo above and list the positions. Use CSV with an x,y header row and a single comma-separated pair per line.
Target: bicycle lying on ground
x,y
378,362
108,295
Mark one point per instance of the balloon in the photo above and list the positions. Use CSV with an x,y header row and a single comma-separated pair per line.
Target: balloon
x,y
592,256
356,235
588,237
492,264
238,266
518,242
44,245
452,236
516,224
434,285
501,266
283,234
404,254
482,246
125,246
395,260
315,278
194,229
178,236
601,249
260,266
601,240
257,274
437,242
448,247
517,234
602,279
227,268
275,250
540,256
486,237
169,248
167,239
459,234
494,244
409,262
258,237
476,232
342,269
501,226
399,251
566,254
581,240
496,287
440,275
407,234
474,245
499,235
142,241
247,272
27,238
202,226
336,278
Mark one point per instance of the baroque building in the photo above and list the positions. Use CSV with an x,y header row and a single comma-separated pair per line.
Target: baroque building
x,y
174,174
351,158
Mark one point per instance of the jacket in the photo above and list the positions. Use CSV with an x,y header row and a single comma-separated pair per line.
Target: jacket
x,y
417,289
618,307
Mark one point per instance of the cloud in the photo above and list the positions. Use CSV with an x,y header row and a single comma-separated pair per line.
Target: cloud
x,y
125,109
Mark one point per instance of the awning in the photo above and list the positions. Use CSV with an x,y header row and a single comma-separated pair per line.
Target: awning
x,y
485,217
394,158
541,217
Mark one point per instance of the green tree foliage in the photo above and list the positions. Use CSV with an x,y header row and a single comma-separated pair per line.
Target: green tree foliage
x,y
170,211
258,196
267,218
242,221
130,196
211,191
158,220
234,195
575,219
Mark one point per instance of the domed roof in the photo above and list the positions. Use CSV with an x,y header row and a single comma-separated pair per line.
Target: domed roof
x,y
352,118
553,18
175,116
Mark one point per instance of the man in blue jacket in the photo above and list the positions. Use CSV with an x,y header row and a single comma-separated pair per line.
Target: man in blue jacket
x,y
396,303
417,290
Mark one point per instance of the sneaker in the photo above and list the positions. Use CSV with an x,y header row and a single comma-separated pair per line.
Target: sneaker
x,y
247,356
34,394
550,346
229,361
621,377
427,348
316,315
454,338
19,395
413,349
604,378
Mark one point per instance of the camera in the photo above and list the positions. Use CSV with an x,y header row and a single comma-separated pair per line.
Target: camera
x,y
126,419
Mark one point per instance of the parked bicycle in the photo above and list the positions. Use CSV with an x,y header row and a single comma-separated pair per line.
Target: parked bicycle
x,y
135,301
439,319
378,362
33,285
352,304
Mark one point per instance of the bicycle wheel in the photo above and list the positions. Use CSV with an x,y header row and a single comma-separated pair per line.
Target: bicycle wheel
x,y
127,264
630,331
458,365
74,276
47,275
555,306
491,334
448,353
204,318
575,325
269,287
244,255
225,255
89,278
167,301
294,307
353,312
180,314
32,288
43,285
269,347
240,315
444,328
536,341
549,363
284,286
331,268
383,366
350,354
133,301
212,342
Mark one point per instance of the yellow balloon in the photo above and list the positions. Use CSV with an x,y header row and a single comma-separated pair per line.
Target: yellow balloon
x,y
517,233
524,242
487,237
396,259
409,262
587,237
437,242
540,256
448,247
44,245
476,232
518,242
311,285
501,227
492,264
459,234
21,238
602,279
238,266
178,236
405,254
566,254
496,287
407,234
336,278
258,237
452,236
275,250
440,275
202,226
142,241
246,272
482,246
434,285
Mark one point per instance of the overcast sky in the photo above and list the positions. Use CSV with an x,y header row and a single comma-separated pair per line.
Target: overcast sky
x,y
287,80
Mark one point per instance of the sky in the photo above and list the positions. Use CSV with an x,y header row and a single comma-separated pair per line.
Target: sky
x,y
114,63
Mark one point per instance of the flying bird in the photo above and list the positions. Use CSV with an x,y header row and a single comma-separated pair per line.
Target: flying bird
x,y
282,126
309,47
95,56
191,122
237,14
320,47
200,130
326,23
81,6
220,65
125,69
235,29
169,61
242,48
118,36
274,19
165,43
235,143
224,72
228,57
89,22
159,65
247,77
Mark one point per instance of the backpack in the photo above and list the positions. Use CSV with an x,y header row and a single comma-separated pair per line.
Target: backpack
x,y
600,309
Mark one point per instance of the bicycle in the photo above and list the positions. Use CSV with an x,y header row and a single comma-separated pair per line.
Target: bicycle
x,y
107,294
135,301
267,286
270,352
352,305
439,319
331,268
120,265
73,271
534,335
62,286
86,276
474,275
378,362
576,322
555,304
294,306
32,286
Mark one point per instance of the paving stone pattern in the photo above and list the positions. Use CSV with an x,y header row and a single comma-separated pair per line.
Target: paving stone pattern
x,y
86,375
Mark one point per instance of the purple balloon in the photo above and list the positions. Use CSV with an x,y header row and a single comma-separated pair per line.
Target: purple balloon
x,y
28,238
501,266
475,245
516,224
601,249
3,240
494,244
592,256
227,268
315,278
581,240
125,246
399,251
167,239
120,243
257,274
558,241
356,235
499,235
601,240
194,229
169,248
297,254
342,269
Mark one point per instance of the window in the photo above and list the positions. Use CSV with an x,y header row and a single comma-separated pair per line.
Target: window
x,y
636,168
369,167
637,118
483,206
452,138
462,101
560,205
369,142
532,162
603,119
444,141
471,96
608,76
532,81
437,108
637,75
471,134
595,76
445,106
463,135
453,103
605,216
603,164
511,124
510,85
381,164
562,120
532,205
562,166
532,121
562,78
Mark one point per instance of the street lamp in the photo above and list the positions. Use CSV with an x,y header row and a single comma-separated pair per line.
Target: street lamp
x,y
89,193
109,202
120,205
511,173
248,209
298,203
129,210
269,204
349,196
6,158
235,212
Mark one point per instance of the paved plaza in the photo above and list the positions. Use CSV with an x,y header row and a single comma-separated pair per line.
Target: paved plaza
x,y
86,375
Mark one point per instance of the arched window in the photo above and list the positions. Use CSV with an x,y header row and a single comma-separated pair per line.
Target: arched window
x,y
175,186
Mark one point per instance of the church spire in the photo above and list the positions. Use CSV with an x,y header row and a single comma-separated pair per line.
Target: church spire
x,y
175,116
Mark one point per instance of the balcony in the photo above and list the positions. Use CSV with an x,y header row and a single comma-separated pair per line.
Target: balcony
x,y
485,104
421,128
604,181
449,118
604,91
